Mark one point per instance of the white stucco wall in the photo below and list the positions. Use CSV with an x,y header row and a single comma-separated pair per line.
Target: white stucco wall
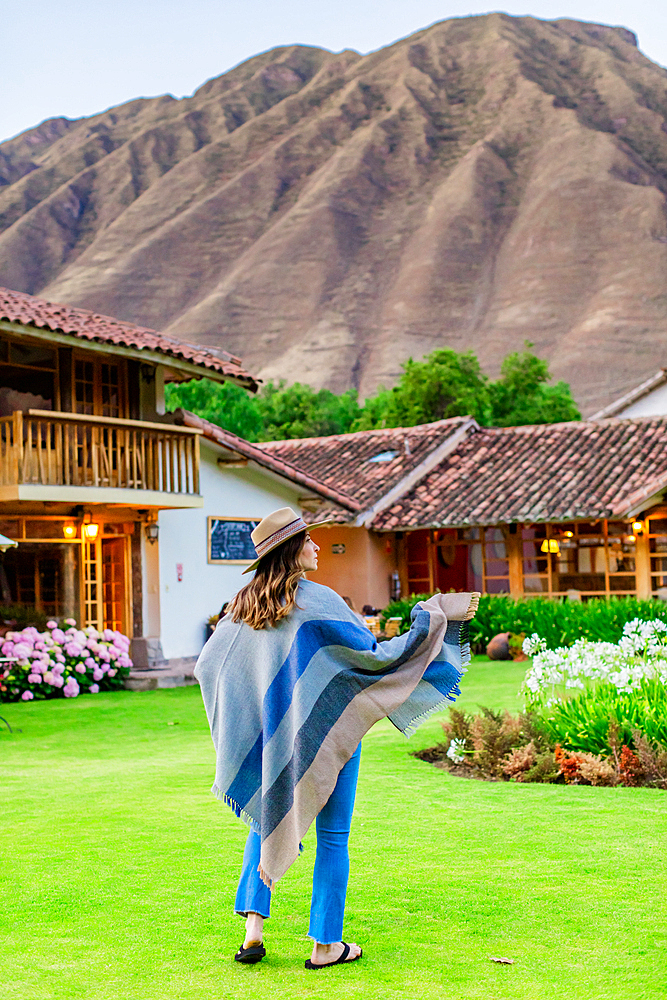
x,y
185,606
653,404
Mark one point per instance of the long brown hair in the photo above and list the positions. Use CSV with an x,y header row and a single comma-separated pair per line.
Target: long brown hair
x,y
271,594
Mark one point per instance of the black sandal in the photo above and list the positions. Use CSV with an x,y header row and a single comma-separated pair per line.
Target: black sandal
x,y
339,961
250,956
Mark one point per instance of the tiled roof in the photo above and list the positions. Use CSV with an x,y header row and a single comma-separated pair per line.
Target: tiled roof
x,y
18,307
550,472
345,461
254,453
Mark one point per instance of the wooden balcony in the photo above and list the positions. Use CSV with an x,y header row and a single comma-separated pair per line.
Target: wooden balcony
x,y
46,455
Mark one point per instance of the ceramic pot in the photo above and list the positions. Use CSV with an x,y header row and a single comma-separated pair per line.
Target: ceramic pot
x,y
499,647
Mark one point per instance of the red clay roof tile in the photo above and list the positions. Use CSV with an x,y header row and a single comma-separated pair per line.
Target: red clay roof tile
x,y
551,472
345,461
19,307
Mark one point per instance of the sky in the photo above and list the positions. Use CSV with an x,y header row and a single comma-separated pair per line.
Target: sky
x,y
73,58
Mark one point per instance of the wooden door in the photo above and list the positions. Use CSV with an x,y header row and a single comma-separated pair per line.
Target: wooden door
x,y
114,584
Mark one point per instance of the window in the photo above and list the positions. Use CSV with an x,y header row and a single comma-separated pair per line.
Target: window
x,y
496,567
27,377
592,558
98,388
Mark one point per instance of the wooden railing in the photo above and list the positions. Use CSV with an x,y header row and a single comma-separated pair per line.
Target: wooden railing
x,y
68,449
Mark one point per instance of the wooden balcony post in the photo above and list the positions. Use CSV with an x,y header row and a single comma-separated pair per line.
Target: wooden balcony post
x,y
18,446
195,469
70,449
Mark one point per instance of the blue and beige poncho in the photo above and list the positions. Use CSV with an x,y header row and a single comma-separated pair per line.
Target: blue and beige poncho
x,y
288,705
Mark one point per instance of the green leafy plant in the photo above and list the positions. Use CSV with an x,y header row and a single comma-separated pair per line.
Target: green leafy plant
x,y
582,723
559,622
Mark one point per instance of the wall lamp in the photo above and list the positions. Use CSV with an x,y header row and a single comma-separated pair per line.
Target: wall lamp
x,y
69,530
152,531
550,545
637,527
91,531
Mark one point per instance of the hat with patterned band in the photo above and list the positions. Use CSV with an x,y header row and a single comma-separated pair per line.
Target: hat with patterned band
x,y
275,529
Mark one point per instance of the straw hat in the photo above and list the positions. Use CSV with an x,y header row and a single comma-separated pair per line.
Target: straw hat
x,y
275,529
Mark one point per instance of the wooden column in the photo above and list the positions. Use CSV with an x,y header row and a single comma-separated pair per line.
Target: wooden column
x,y
514,545
643,564
70,609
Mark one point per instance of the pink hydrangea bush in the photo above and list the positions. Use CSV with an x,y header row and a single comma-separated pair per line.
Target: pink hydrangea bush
x,y
62,662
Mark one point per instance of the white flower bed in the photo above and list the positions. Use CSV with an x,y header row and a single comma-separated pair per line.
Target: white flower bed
x,y
640,655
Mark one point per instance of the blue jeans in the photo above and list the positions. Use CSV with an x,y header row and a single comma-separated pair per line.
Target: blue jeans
x,y
332,863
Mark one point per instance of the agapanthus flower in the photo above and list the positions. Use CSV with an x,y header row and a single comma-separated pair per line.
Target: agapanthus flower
x,y
456,752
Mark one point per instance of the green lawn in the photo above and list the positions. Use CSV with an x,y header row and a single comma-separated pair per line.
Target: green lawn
x,y
119,870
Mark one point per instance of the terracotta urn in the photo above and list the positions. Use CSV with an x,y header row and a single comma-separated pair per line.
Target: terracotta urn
x,y
499,647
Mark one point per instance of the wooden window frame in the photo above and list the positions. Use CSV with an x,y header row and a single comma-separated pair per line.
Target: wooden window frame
x,y
553,531
55,371
97,361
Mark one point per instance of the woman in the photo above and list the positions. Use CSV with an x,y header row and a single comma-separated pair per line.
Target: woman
x,y
291,681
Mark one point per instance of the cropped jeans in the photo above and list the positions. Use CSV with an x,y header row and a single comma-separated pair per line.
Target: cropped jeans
x,y
332,863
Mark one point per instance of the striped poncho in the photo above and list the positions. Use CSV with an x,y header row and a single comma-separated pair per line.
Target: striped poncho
x,y
288,705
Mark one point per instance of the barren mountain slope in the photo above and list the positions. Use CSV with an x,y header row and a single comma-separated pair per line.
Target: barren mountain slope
x,y
487,180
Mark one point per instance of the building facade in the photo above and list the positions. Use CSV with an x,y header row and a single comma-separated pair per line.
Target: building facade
x,y
89,459
559,510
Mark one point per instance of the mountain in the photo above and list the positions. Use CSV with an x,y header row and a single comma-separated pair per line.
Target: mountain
x,y
485,181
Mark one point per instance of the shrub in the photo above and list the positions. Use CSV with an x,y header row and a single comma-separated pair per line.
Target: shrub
x,y
545,770
520,761
558,622
584,768
62,662
653,761
22,615
402,609
499,746
494,734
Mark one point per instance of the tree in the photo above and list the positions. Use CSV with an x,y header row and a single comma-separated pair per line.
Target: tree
x,y
224,404
274,413
444,384
521,395
298,411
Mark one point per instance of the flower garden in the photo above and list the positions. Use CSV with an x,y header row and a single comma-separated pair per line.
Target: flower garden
x,y
62,662
595,713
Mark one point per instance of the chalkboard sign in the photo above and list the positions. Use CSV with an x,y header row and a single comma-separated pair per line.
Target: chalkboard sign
x,y
229,540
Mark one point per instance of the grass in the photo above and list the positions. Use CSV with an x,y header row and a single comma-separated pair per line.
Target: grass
x,y
120,868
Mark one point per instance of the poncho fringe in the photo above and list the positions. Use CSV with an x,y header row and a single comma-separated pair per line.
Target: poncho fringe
x,y
288,705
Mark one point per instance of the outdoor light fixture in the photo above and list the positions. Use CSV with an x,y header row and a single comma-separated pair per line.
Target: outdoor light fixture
x,y
91,531
550,545
69,530
637,527
152,531
569,534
